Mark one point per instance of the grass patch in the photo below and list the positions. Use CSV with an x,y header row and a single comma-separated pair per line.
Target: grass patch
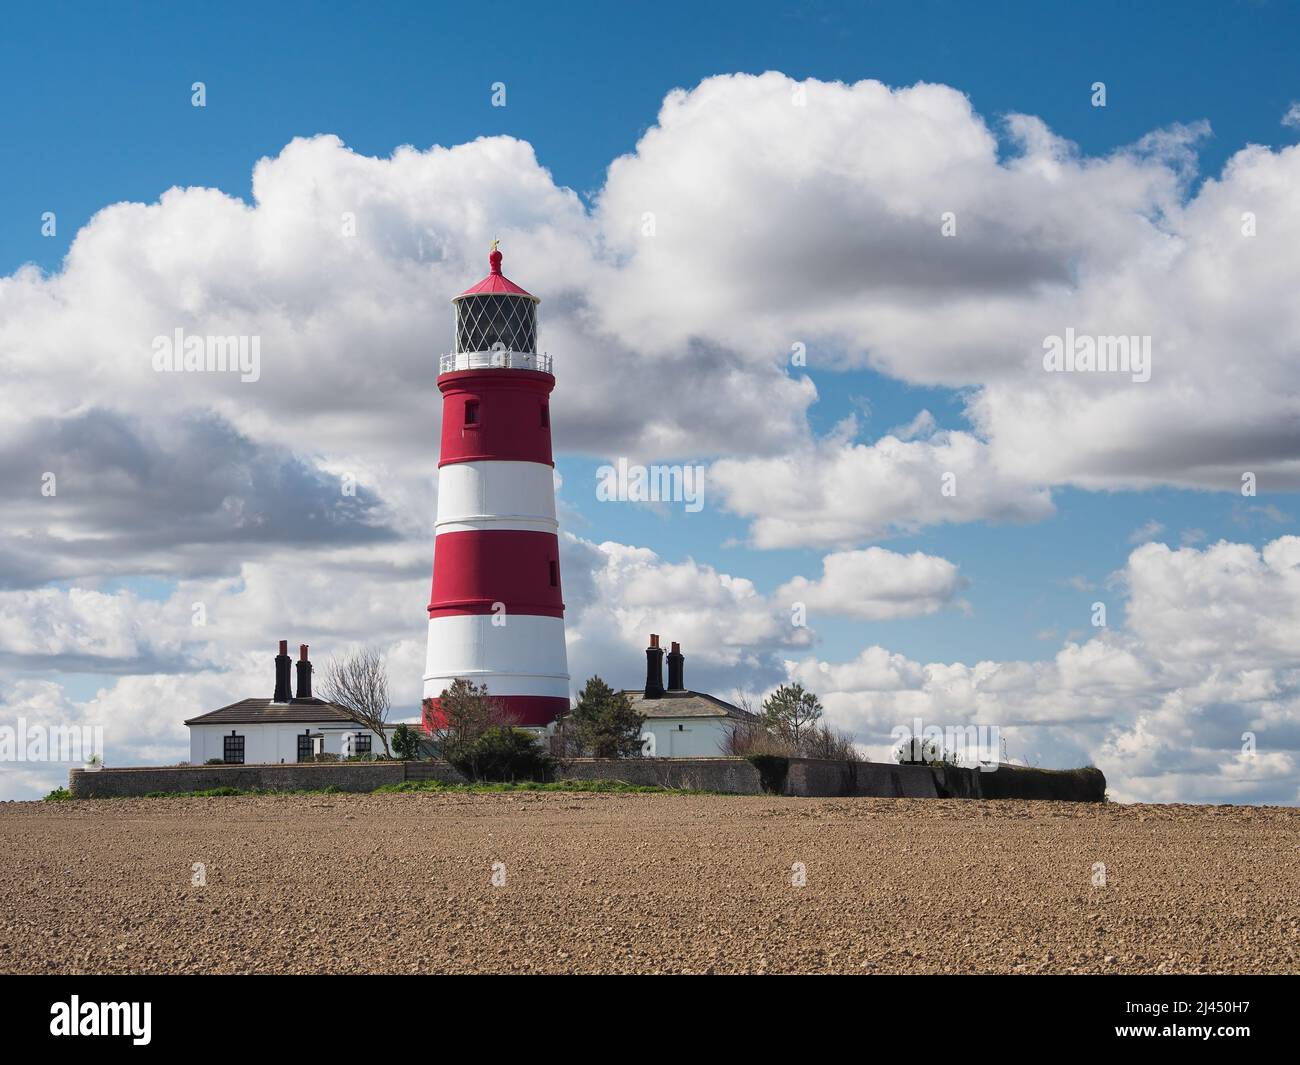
x,y
226,790
618,787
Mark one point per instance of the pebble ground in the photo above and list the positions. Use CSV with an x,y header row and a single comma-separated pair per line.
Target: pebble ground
x,y
644,884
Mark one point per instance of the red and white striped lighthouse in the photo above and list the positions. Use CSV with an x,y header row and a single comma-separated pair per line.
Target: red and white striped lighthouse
x,y
496,616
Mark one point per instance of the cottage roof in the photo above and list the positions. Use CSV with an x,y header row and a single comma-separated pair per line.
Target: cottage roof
x,y
683,703
266,712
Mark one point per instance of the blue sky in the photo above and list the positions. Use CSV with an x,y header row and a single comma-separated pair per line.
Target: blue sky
x,y
98,112
111,83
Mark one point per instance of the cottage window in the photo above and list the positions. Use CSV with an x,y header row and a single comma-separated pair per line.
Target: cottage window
x,y
233,749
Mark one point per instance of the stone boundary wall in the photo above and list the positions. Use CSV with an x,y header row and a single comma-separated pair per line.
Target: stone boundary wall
x,y
807,777
305,776
443,772
815,777
1022,782
734,775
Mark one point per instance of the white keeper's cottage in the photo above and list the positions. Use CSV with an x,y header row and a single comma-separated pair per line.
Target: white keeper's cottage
x,y
680,723
283,728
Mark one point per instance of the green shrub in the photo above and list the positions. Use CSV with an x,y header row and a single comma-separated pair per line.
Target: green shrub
x,y
924,750
215,761
502,753
59,795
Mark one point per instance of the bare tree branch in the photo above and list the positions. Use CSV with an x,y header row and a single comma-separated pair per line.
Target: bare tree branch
x,y
359,684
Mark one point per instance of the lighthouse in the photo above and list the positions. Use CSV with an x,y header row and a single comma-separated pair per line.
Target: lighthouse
x,y
496,615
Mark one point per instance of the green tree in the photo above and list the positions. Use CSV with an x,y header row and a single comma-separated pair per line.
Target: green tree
x,y
406,742
465,712
605,723
792,713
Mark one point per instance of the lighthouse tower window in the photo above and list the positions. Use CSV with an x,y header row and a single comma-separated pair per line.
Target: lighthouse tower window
x,y
546,416
471,412
555,573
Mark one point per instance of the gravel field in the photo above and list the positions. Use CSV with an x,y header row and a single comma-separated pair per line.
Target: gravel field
x,y
644,883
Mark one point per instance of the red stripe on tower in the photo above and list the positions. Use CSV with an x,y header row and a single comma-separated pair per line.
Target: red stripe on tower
x,y
477,569
519,428
496,614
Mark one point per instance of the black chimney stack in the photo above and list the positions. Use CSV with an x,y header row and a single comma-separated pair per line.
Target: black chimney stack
x,y
282,674
304,676
676,666
654,669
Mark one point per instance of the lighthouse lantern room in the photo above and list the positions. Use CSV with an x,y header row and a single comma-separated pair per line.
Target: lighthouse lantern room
x,y
496,616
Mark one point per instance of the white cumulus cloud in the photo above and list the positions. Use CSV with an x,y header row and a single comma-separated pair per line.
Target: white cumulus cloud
x,y
876,584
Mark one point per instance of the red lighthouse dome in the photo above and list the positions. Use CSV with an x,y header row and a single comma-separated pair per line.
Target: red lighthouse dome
x,y
496,615
496,283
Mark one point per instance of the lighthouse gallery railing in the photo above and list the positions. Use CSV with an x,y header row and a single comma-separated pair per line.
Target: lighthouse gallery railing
x,y
494,360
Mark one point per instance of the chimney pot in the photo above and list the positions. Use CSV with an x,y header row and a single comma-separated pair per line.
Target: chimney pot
x,y
654,669
282,692
304,676
676,663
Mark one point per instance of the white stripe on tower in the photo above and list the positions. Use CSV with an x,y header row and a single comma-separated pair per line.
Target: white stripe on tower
x,y
496,495
522,663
